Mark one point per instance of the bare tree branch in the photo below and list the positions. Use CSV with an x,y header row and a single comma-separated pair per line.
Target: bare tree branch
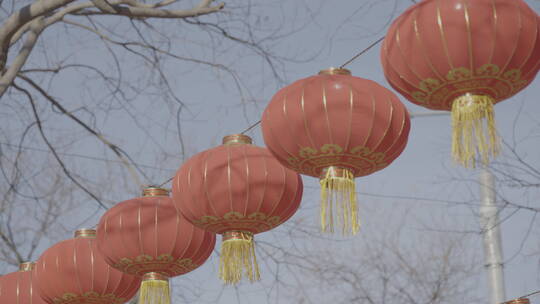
x,y
53,151
117,150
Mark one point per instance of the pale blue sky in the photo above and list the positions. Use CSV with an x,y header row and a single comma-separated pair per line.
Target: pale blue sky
x,y
323,34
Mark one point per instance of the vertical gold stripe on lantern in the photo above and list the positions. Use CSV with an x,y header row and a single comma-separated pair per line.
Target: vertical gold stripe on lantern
x,y
422,47
494,36
515,44
443,37
350,121
469,36
304,119
205,184
246,163
282,192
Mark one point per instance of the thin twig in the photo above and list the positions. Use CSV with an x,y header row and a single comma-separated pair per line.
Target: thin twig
x,y
53,151
122,155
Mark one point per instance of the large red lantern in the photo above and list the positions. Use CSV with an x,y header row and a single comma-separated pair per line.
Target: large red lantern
x,y
464,56
145,236
74,272
19,287
236,190
336,127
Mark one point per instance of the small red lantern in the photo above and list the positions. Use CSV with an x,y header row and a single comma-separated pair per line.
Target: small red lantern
x,y
19,287
236,190
336,127
464,56
74,272
145,236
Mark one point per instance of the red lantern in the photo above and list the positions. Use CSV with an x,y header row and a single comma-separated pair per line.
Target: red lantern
x,y
19,287
236,190
74,272
146,237
336,127
464,56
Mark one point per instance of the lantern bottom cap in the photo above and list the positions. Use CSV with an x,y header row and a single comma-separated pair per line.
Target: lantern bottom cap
x,y
474,134
237,257
156,276
338,201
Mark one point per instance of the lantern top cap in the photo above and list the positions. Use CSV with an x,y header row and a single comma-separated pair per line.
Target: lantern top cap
x,y
155,191
26,266
518,301
85,233
235,139
335,71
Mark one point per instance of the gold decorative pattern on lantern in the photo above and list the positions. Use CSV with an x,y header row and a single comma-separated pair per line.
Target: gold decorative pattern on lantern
x,y
487,79
360,160
256,222
163,264
90,297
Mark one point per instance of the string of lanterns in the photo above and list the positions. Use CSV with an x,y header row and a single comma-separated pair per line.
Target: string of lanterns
x,y
462,56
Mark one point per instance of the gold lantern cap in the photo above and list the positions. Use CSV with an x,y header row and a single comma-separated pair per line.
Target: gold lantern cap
x,y
155,191
85,233
335,71
26,266
154,276
235,139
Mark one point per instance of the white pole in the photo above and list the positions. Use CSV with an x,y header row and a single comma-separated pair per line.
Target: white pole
x,y
489,219
491,232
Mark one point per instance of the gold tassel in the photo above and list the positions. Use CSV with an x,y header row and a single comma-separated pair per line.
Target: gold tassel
x,y
338,192
473,130
154,289
237,257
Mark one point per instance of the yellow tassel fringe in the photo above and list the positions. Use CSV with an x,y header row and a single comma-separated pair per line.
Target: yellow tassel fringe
x,y
338,201
473,130
154,290
238,258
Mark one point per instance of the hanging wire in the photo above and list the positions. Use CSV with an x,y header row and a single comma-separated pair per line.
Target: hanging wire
x,y
243,132
528,295
362,52
342,66
166,182
251,127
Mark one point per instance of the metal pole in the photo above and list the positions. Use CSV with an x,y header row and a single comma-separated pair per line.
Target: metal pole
x,y
491,233
489,219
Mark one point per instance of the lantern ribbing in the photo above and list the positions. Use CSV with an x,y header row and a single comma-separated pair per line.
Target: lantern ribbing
x,y
237,190
464,56
335,127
